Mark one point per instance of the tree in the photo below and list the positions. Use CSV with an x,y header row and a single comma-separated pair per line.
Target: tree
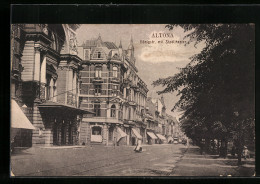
x,y
219,80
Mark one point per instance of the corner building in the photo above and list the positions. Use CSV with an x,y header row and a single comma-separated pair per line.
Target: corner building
x,y
111,88
46,87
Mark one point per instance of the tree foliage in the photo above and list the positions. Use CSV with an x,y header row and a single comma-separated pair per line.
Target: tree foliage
x,y
218,81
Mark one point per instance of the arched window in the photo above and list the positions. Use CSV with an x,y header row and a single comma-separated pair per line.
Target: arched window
x,y
99,54
113,111
114,71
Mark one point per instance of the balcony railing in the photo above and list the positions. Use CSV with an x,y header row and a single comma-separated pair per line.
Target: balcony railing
x,y
98,80
115,80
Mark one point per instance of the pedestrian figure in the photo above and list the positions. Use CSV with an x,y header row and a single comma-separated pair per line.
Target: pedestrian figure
x,y
138,147
245,153
202,146
114,142
233,151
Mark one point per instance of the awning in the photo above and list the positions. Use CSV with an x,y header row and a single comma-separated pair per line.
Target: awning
x,y
161,137
151,134
54,105
137,133
170,139
18,118
120,133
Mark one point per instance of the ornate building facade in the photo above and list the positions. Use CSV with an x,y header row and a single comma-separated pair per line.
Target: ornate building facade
x,y
112,89
45,81
161,127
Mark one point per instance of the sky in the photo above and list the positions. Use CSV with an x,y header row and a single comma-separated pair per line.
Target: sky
x,y
154,60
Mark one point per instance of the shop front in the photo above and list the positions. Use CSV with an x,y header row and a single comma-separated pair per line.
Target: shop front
x,y
60,124
96,135
136,136
161,139
151,137
21,127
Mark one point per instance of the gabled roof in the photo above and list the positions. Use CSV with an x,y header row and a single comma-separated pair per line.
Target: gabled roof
x,y
93,43
110,45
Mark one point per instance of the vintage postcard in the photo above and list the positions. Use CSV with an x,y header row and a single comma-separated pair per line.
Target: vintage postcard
x,y
132,100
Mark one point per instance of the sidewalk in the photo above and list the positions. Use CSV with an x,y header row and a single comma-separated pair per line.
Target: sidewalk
x,y
194,164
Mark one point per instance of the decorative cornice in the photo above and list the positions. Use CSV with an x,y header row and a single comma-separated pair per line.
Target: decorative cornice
x,y
40,48
70,58
38,36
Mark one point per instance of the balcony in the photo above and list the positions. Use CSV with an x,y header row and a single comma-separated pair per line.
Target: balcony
x,y
132,103
97,80
111,120
115,80
126,81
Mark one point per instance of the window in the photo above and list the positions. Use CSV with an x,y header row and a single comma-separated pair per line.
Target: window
x,y
48,87
98,72
54,90
113,111
97,89
114,93
142,112
129,114
86,54
99,54
97,109
96,130
114,71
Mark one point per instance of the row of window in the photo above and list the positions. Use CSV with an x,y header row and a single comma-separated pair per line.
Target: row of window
x,y
97,55
97,110
98,71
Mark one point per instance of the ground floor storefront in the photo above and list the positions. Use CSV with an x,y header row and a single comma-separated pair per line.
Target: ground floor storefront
x,y
109,134
101,133
55,124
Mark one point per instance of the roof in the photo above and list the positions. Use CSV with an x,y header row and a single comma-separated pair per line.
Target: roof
x,y
90,43
93,43
50,104
110,45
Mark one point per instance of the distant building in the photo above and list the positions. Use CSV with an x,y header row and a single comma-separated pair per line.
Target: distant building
x,y
159,123
111,88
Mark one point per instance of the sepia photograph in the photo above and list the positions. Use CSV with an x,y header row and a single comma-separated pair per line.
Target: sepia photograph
x,y
132,100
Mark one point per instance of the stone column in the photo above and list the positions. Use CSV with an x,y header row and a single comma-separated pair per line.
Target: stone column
x,y
88,137
128,137
74,85
51,90
108,126
105,134
124,92
48,137
43,70
55,90
70,86
37,64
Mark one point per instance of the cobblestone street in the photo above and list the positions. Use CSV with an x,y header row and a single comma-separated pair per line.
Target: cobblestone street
x,y
155,160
